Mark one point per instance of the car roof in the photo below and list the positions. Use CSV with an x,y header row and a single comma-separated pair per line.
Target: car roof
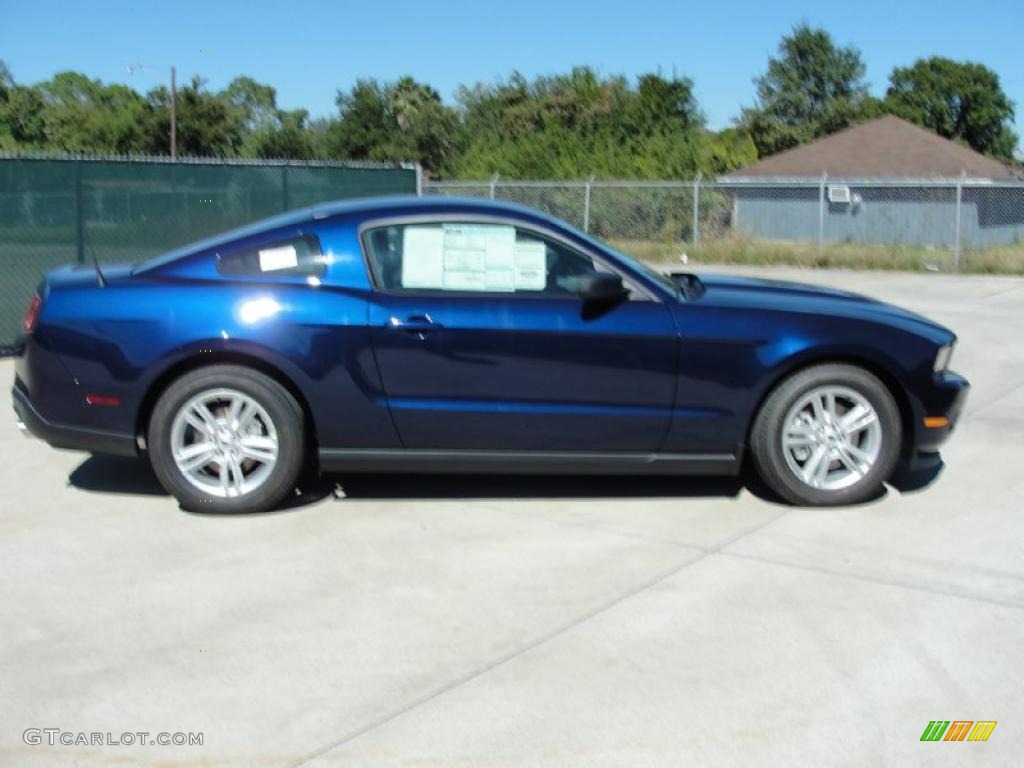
x,y
382,205
397,204
394,203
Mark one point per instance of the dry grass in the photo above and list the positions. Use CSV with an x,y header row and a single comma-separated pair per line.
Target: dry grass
x,y
996,260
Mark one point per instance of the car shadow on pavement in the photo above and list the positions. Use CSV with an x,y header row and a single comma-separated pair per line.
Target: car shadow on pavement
x,y
116,474
125,475
121,475
475,486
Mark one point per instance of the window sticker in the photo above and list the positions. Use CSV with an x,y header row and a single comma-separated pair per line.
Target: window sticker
x,y
471,257
284,257
423,257
531,265
479,257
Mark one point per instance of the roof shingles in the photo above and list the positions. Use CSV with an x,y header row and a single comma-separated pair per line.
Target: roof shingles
x,y
887,147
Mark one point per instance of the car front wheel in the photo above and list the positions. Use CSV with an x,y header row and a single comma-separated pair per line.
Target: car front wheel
x,y
226,439
827,435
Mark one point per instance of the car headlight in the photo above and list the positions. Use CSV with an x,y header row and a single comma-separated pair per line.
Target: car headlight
x,y
942,358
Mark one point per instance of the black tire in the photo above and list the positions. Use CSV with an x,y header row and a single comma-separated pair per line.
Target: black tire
x,y
283,410
767,434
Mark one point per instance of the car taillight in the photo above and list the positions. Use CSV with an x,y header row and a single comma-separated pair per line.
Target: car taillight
x,y
28,323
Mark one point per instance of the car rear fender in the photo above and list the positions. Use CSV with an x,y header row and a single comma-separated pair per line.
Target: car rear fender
x,y
219,351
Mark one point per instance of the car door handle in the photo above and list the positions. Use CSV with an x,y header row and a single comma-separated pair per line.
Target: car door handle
x,y
415,324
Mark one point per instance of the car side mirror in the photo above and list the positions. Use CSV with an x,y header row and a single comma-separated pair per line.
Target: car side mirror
x,y
601,287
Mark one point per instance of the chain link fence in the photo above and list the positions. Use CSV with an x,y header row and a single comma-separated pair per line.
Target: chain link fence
x,y
56,211
943,224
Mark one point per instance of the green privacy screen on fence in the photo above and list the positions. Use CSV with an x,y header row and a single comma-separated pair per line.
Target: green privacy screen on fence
x,y
56,211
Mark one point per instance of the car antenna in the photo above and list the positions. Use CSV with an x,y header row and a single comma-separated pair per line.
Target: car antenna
x,y
96,263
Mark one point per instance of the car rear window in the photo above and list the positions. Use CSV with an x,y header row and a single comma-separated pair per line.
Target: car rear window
x,y
299,255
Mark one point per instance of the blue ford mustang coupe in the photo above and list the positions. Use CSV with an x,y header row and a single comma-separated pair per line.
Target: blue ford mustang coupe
x,y
446,335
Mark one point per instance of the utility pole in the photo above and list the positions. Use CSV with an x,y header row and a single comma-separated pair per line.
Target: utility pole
x,y
174,117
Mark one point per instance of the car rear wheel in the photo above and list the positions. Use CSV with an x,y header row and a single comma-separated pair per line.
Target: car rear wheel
x,y
227,439
827,435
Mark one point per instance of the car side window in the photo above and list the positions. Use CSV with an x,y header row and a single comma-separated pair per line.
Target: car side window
x,y
478,257
300,255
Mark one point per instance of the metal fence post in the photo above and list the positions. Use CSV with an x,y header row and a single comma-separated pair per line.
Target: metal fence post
x,y
419,180
821,212
285,204
696,211
79,214
586,203
494,183
956,238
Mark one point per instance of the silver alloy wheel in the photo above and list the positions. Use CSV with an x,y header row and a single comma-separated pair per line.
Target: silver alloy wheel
x,y
224,443
831,437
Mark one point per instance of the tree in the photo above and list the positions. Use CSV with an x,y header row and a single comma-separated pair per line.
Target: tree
x,y
726,151
255,103
811,89
21,119
266,130
962,101
425,123
290,138
207,125
319,134
21,114
564,125
394,122
579,123
84,115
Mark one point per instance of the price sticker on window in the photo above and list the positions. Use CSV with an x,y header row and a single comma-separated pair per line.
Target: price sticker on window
x,y
273,259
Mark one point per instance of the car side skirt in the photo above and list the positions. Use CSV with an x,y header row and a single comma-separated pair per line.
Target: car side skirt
x,y
526,462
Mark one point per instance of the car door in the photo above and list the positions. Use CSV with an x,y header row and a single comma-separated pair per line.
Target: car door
x,y
483,343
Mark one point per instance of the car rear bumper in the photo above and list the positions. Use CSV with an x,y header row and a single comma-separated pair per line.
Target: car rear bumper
x,y
66,436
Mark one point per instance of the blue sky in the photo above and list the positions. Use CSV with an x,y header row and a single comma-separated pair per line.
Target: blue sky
x,y
307,50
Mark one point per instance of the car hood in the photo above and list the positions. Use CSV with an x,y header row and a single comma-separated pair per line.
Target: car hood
x,y
781,295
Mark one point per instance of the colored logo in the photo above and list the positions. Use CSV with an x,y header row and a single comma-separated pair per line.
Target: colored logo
x,y
958,730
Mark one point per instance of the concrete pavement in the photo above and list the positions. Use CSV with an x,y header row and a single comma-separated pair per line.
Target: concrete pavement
x,y
397,621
